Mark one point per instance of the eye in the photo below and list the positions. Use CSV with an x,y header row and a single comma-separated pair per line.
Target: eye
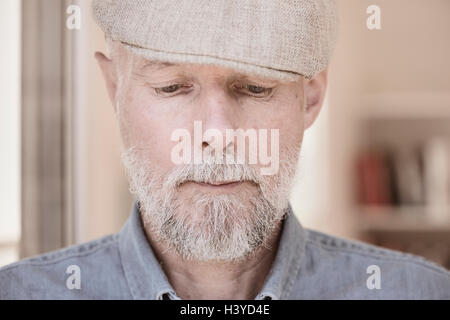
x,y
254,90
172,89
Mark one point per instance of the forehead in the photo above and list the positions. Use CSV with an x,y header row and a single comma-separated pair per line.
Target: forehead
x,y
148,67
157,65
130,62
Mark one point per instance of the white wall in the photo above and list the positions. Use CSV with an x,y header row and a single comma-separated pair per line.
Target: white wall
x,y
102,202
9,130
310,197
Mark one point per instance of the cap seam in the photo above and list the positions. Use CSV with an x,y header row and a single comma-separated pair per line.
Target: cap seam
x,y
293,73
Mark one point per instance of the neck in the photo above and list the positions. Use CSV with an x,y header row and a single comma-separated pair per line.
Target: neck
x,y
198,280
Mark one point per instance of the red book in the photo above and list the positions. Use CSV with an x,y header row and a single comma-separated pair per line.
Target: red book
x,y
373,179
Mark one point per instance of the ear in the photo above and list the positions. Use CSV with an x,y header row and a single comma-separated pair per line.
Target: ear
x,y
314,93
109,75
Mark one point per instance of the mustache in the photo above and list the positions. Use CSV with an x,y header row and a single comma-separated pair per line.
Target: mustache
x,y
209,171
213,173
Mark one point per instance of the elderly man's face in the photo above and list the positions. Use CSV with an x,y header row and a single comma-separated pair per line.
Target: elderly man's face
x,y
207,210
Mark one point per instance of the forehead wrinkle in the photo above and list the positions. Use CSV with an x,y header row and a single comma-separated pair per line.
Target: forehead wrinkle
x,y
152,65
144,66
147,67
156,65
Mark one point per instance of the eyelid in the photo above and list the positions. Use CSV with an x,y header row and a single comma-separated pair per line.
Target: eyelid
x,y
255,83
164,84
159,89
269,89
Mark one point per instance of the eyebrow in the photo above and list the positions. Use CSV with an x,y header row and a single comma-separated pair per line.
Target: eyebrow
x,y
157,65
154,65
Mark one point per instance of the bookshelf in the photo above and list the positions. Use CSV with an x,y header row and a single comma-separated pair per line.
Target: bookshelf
x,y
405,105
402,185
400,218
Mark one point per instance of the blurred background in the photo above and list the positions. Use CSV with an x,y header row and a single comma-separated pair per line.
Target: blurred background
x,y
375,166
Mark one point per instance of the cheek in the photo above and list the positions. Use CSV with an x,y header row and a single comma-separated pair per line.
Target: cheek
x,y
288,117
293,122
294,125
145,124
291,133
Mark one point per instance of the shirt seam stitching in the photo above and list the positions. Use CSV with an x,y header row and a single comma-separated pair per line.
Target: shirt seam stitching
x,y
376,256
301,244
127,272
113,241
133,295
295,273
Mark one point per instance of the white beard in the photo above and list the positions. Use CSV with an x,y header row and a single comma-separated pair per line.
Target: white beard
x,y
225,227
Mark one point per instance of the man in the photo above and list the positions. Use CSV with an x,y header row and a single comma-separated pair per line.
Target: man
x,y
202,91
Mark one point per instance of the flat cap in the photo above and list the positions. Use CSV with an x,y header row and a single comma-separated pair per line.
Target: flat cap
x,y
277,39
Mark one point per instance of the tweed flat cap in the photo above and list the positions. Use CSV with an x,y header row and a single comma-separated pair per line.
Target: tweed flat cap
x,y
282,39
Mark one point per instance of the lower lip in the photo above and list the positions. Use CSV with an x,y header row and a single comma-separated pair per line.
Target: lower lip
x,y
220,186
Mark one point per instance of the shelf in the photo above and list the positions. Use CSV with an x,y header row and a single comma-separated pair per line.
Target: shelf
x,y
406,105
404,218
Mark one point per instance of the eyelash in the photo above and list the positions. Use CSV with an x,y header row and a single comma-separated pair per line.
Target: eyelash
x,y
265,91
160,90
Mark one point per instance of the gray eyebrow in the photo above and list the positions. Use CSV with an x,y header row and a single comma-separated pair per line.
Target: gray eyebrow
x,y
156,65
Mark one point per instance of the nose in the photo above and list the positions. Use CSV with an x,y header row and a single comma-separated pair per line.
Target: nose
x,y
218,112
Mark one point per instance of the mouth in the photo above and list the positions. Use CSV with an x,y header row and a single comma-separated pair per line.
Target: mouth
x,y
220,184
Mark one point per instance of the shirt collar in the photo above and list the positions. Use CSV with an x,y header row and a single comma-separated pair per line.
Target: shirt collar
x,y
143,272
148,281
284,270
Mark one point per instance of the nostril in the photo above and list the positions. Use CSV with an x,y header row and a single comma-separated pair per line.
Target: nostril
x,y
204,145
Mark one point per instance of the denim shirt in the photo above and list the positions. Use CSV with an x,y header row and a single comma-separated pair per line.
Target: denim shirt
x,y
308,265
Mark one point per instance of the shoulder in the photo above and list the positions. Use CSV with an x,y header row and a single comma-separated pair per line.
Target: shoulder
x,y
353,269
80,271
